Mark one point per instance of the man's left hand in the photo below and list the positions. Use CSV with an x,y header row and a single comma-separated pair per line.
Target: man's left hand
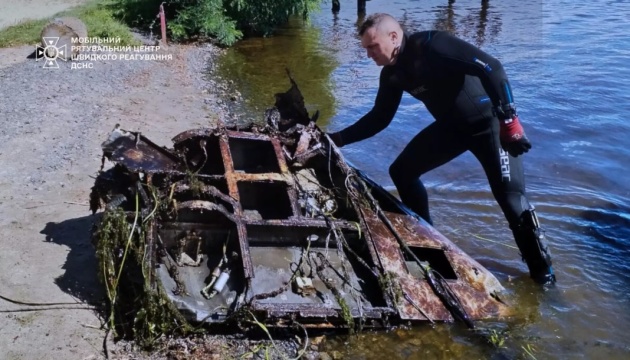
x,y
512,135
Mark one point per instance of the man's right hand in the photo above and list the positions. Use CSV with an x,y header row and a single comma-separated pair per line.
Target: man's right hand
x,y
336,138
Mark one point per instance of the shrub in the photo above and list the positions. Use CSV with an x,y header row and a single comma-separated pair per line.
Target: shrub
x,y
263,16
226,21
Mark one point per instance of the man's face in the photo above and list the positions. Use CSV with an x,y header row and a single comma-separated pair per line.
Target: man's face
x,y
379,45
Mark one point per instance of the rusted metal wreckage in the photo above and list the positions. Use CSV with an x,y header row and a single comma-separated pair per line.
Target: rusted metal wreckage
x,y
272,218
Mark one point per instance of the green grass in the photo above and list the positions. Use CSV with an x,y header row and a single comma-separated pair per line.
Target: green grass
x,y
24,33
98,16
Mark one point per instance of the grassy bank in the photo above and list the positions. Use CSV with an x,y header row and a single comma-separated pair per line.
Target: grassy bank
x,y
98,16
221,21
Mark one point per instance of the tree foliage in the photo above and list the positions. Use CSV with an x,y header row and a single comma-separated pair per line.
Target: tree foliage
x,y
225,21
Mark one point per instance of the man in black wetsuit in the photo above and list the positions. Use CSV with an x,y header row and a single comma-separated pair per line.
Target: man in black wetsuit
x,y
468,94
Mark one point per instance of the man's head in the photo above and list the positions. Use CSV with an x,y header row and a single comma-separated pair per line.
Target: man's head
x,y
381,36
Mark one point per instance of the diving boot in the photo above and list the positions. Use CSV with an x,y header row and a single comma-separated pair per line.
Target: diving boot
x,y
530,241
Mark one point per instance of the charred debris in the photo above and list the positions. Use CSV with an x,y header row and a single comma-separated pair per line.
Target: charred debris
x,y
268,223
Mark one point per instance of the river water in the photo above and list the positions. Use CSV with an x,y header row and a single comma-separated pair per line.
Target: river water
x,y
568,66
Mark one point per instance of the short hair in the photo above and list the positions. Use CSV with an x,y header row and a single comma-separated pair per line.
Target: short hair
x,y
374,21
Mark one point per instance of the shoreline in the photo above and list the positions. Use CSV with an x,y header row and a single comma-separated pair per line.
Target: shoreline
x,y
59,117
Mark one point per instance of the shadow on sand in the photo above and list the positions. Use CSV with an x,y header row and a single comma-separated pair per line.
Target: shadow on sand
x,y
80,279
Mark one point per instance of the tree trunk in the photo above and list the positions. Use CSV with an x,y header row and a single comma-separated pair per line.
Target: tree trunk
x,y
59,33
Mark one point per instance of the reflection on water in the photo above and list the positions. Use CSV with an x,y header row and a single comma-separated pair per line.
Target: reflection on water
x,y
567,63
475,25
259,67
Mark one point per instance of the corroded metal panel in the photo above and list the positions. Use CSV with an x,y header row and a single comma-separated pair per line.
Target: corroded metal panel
x,y
274,219
137,153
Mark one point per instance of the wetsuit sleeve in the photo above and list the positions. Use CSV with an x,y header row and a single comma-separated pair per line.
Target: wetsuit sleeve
x,y
458,55
385,107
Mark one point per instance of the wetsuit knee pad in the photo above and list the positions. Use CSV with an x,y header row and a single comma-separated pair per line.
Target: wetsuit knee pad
x,y
530,240
529,220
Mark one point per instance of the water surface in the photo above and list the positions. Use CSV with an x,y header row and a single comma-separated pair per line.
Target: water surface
x,y
568,66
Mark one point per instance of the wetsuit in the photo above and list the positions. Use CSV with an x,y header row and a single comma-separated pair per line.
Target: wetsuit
x,y
459,85
463,88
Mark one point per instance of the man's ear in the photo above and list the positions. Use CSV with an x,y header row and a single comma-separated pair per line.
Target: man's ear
x,y
393,36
